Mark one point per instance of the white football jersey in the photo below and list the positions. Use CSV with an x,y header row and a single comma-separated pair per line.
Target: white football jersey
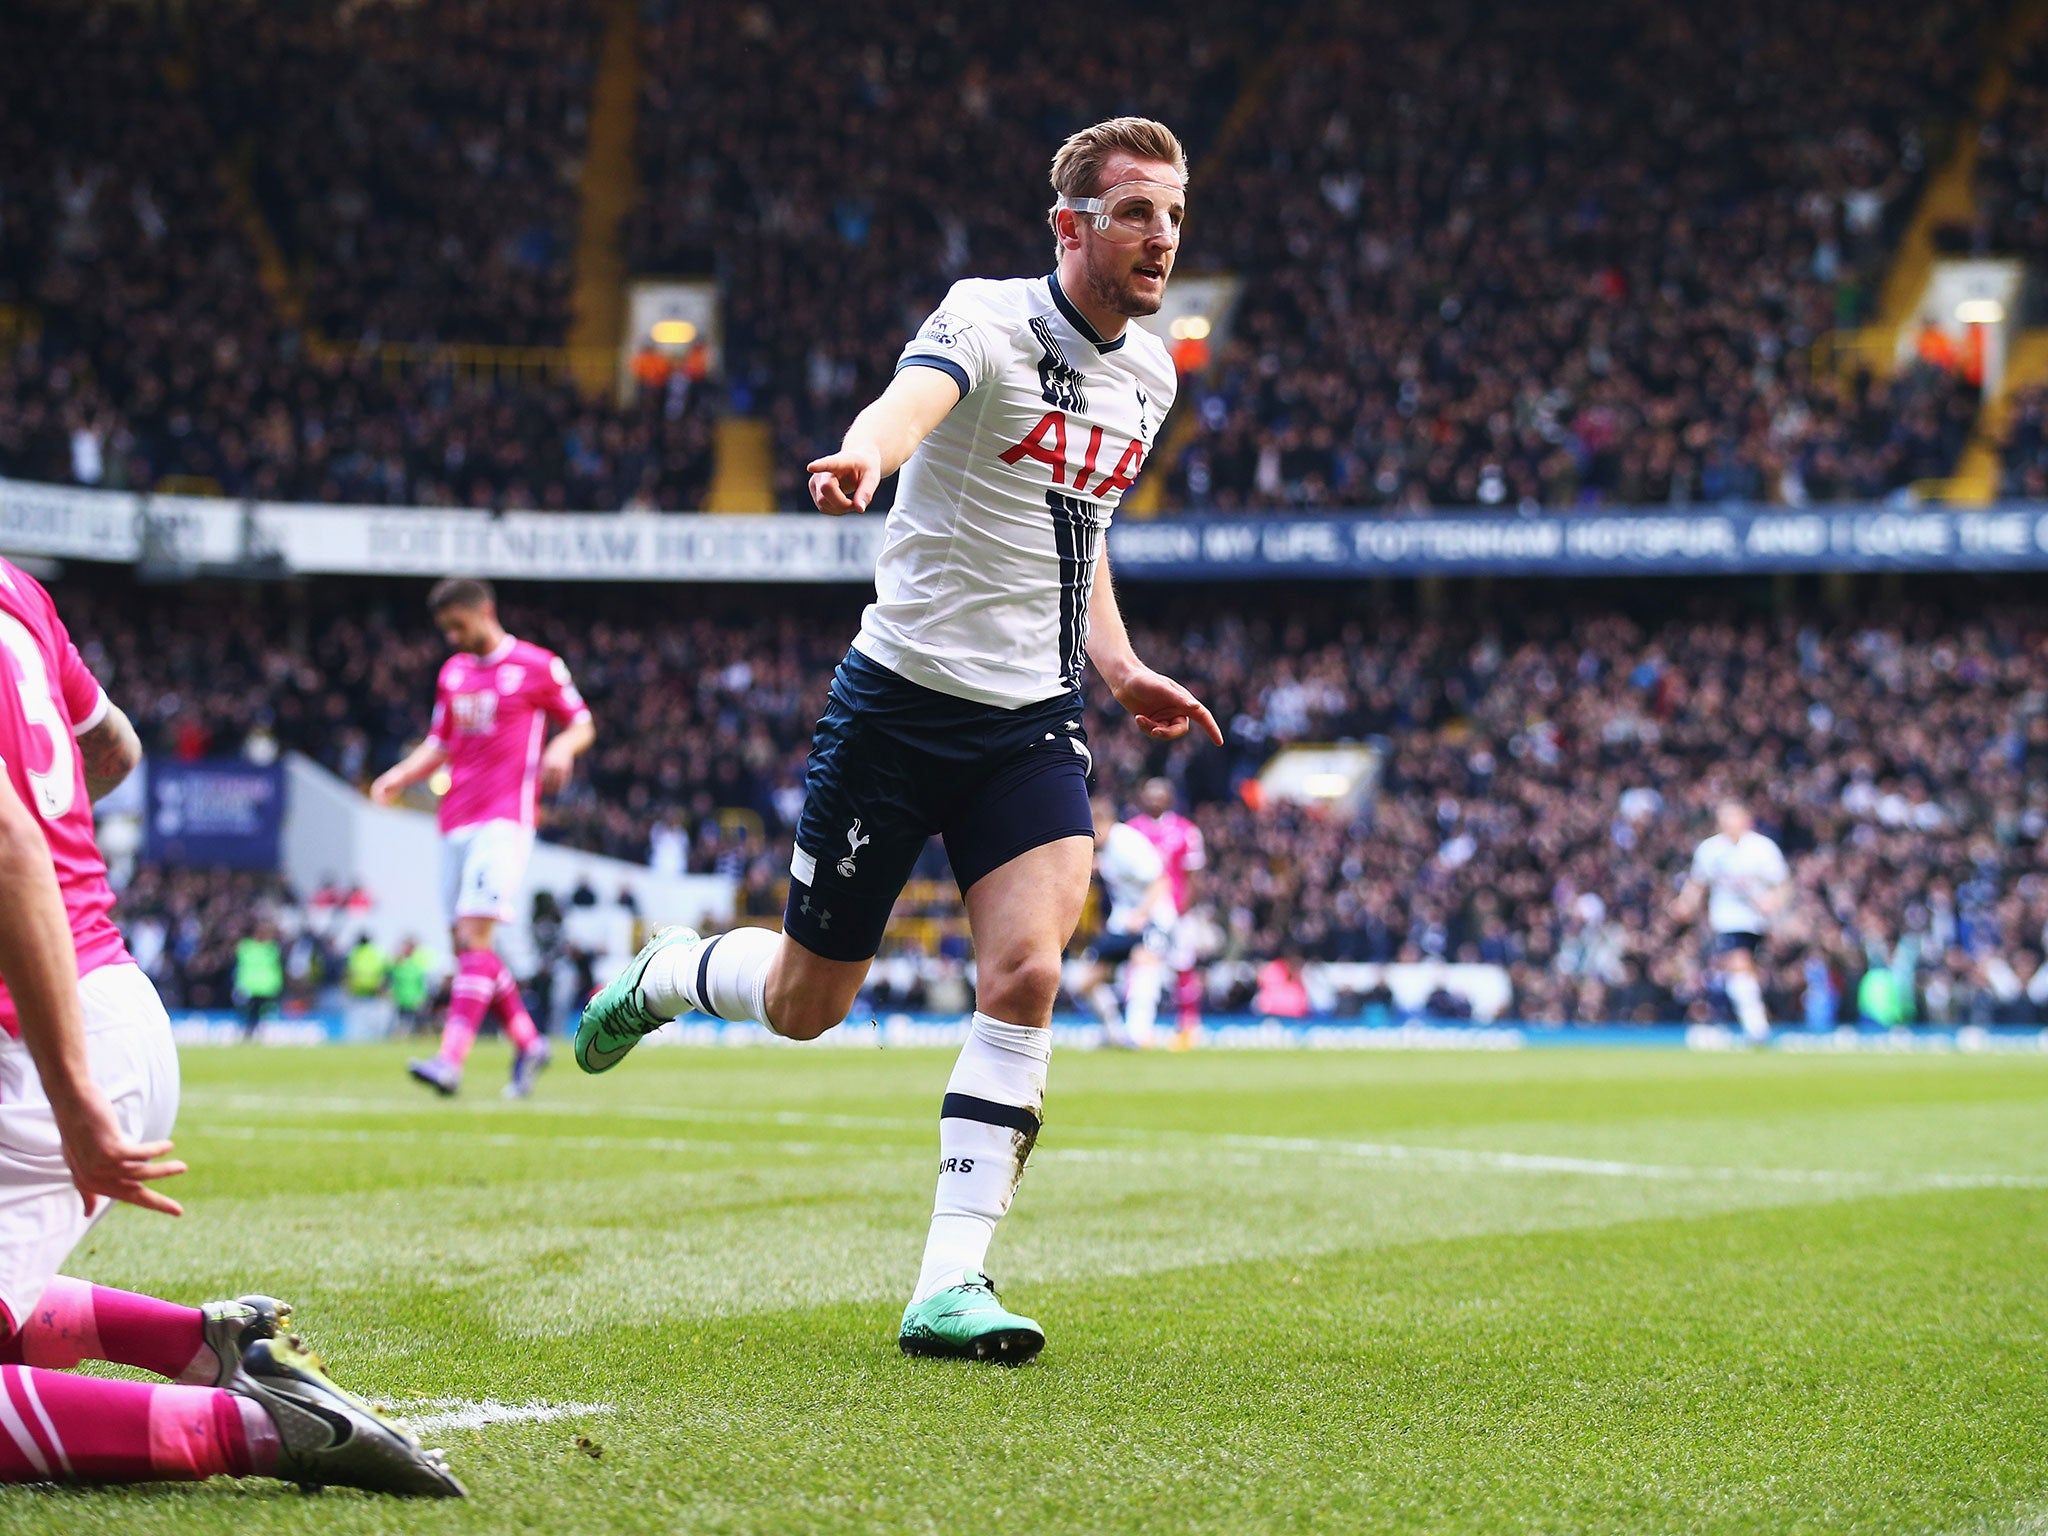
x,y
1129,865
989,554
1736,874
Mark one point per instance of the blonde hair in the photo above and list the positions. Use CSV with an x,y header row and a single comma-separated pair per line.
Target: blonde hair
x,y
1077,168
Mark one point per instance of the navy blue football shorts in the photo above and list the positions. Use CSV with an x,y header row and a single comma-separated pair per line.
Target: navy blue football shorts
x,y
894,764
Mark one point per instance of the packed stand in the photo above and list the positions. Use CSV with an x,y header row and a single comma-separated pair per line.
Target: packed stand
x,y
418,163
916,155
1543,779
1519,257
2025,450
2011,212
149,356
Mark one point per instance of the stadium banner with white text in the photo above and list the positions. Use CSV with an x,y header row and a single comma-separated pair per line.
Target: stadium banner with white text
x,y
217,813
1757,541
196,533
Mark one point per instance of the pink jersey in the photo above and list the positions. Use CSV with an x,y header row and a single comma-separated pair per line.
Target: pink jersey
x,y
46,698
1179,842
490,715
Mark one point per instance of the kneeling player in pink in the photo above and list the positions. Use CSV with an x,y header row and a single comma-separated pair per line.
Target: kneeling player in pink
x,y
88,1092
492,706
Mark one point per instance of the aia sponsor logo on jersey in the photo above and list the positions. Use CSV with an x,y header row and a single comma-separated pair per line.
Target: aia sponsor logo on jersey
x,y
1047,442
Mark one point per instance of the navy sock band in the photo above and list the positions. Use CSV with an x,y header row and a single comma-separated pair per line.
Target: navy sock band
x,y
704,980
965,1106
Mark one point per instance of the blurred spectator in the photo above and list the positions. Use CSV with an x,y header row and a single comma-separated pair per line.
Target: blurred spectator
x,y
259,976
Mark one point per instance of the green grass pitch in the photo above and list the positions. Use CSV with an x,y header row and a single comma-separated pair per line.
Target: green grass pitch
x,y
1565,1291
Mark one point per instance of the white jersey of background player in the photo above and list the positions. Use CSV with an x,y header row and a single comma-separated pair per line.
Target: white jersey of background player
x,y
1743,878
1136,933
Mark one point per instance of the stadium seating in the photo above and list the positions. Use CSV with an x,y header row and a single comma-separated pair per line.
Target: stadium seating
x,y
1544,776
1612,303
1575,254
418,163
145,350
840,225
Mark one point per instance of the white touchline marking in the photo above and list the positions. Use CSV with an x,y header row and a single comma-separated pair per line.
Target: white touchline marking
x,y
293,1104
461,1413
1442,1159
1243,1151
508,1139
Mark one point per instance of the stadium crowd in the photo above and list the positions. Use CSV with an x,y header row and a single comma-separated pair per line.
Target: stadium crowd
x,y
911,165
1578,255
138,345
1578,260
419,164
1544,775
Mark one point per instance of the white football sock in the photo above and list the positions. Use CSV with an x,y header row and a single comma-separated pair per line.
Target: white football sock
x,y
1141,1008
731,966
1103,997
1747,994
987,1125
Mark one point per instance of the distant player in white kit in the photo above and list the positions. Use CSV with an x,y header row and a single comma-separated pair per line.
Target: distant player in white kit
x,y
1136,933
88,1095
494,701
1742,877
1020,413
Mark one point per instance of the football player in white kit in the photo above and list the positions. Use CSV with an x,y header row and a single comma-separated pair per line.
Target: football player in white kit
x,y
1742,877
1137,934
1019,415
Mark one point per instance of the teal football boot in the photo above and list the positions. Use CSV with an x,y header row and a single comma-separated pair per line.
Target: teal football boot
x,y
966,1322
616,1020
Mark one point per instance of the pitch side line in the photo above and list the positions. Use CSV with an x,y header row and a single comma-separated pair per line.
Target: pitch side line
x,y
507,1139
297,1104
462,1413
1248,1150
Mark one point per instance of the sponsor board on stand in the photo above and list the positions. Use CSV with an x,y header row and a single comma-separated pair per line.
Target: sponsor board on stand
x,y
69,522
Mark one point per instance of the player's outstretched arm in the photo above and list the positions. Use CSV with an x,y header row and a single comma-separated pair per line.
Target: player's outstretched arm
x,y
881,438
558,758
41,970
110,751
409,770
1163,709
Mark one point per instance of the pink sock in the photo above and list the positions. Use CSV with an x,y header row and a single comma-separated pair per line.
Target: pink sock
x,y
511,1008
469,995
54,1426
74,1321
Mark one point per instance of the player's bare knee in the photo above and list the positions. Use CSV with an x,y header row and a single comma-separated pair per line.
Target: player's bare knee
x,y
1019,988
799,1012
803,1020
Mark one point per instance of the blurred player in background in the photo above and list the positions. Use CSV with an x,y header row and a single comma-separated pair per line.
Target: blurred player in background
x,y
1179,842
88,1094
494,701
1136,933
1019,415
1742,877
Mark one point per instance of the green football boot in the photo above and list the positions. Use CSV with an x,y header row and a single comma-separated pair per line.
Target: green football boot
x,y
616,1020
966,1322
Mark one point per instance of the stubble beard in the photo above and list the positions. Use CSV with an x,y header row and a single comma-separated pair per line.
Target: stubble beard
x,y
1115,290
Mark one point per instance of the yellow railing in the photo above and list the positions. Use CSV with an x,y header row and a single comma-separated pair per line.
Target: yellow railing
x,y
1840,354
18,325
